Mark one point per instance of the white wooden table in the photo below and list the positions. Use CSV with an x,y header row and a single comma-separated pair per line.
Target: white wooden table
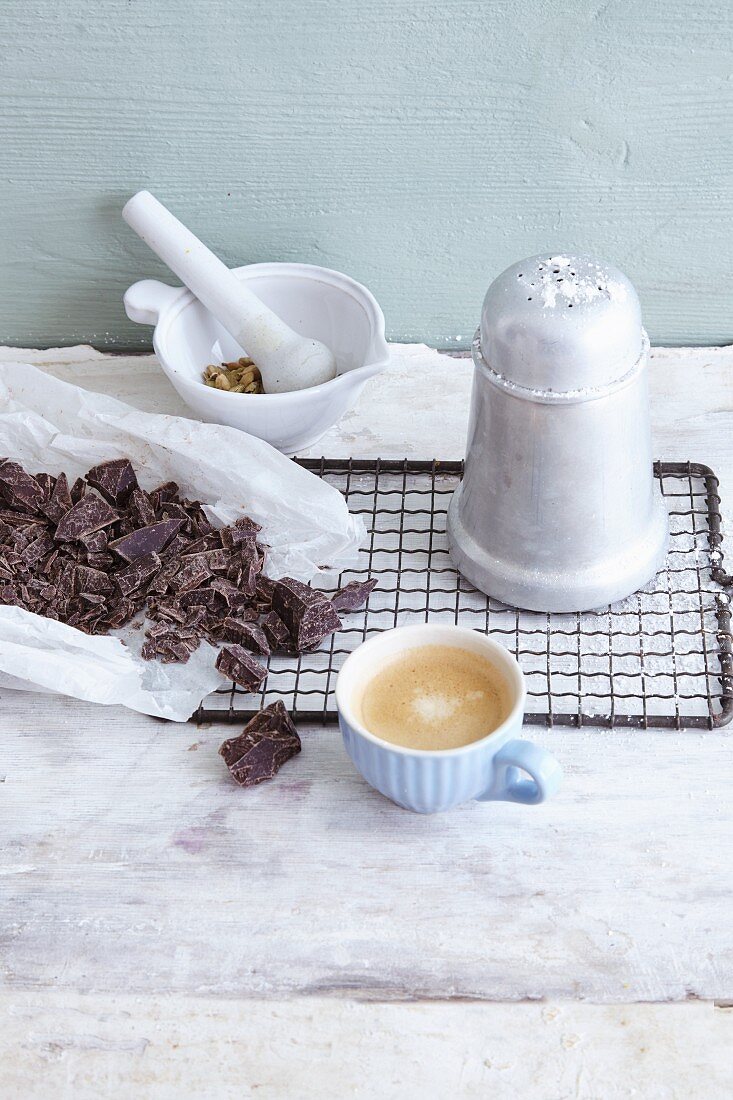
x,y
165,933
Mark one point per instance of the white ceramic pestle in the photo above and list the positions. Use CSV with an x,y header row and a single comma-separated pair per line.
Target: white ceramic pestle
x,y
287,361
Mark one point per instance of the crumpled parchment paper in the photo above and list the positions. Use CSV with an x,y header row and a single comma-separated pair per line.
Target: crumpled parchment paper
x,y
46,424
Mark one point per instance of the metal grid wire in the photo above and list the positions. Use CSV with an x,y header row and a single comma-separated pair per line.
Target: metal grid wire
x,y
661,658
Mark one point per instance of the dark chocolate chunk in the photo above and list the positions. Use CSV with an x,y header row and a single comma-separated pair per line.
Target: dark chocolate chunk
x,y
88,515
60,500
192,573
243,532
353,595
232,595
77,490
114,479
146,540
276,631
163,494
264,587
218,560
91,581
246,634
264,745
307,613
209,541
238,665
203,597
168,610
95,543
137,574
37,549
141,508
46,483
20,489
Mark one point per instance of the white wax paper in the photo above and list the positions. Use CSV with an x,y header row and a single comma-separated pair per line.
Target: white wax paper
x,y
46,424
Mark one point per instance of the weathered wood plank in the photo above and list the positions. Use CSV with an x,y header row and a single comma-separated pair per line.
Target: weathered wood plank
x,y
79,1047
133,864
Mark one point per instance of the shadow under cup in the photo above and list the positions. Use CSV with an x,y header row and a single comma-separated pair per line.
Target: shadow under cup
x,y
498,767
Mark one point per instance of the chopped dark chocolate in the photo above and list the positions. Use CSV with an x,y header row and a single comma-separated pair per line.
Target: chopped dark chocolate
x,y
217,560
77,490
37,549
276,631
307,613
137,574
264,587
95,543
233,596
146,540
96,555
249,635
141,508
192,574
46,482
115,480
91,581
20,489
88,515
264,745
354,595
238,665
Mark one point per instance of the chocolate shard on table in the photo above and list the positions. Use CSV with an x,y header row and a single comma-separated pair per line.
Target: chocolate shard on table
x,y
240,666
146,540
115,480
89,514
307,613
354,595
264,745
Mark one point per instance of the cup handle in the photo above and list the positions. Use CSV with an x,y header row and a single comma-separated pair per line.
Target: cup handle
x,y
508,786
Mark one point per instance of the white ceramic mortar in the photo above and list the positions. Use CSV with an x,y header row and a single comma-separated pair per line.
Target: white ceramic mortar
x,y
314,301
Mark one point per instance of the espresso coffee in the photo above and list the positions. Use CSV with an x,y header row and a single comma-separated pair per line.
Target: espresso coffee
x,y
434,697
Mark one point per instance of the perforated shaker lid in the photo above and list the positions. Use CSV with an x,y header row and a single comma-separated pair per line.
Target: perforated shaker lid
x,y
561,323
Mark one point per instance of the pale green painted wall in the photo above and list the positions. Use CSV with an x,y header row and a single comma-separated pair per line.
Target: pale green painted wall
x,y
419,146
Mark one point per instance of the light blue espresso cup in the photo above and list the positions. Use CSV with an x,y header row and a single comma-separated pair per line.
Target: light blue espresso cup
x,y
497,768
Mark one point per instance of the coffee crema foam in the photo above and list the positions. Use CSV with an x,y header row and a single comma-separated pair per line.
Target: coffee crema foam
x,y
434,697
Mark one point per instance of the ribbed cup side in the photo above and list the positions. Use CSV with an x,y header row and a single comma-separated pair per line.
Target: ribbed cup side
x,y
425,784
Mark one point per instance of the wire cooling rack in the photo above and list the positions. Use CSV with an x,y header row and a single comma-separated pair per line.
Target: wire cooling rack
x,y
661,658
